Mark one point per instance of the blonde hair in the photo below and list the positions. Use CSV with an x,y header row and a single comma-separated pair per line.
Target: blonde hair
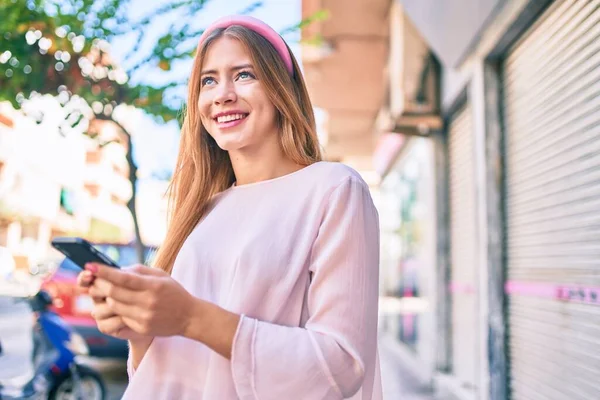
x,y
203,169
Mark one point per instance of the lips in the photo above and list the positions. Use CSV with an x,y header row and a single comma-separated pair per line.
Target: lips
x,y
230,117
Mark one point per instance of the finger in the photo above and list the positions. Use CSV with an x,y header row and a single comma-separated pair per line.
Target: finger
x,y
92,267
112,326
136,326
97,299
85,279
97,296
127,296
126,310
102,285
144,270
119,277
102,311
100,289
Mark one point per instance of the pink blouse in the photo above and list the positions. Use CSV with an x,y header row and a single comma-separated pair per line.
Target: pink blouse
x,y
298,257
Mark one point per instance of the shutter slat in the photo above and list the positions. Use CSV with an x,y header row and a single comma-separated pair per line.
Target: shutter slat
x,y
575,119
555,43
545,31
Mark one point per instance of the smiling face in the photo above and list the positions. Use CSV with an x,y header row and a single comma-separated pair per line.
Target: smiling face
x,y
234,106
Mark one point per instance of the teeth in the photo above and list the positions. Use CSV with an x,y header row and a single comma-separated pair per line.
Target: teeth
x,y
230,117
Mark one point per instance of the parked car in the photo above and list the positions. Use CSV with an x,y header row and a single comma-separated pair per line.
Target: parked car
x,y
74,304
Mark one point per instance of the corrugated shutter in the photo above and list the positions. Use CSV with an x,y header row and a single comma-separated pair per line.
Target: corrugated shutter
x,y
463,236
552,118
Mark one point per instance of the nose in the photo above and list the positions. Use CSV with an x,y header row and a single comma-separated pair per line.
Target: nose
x,y
226,93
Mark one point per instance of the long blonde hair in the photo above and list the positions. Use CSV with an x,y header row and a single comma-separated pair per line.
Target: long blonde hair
x,y
203,169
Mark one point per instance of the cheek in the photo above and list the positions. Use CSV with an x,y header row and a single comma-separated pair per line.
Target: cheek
x,y
268,111
204,100
204,109
271,114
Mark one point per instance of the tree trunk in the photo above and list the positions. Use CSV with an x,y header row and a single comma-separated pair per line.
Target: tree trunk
x,y
139,244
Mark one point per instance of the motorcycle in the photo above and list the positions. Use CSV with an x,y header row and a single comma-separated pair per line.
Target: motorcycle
x,y
58,374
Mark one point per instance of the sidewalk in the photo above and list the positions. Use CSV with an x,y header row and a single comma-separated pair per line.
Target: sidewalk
x,y
400,382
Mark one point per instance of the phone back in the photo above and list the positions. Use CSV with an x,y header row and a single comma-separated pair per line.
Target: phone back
x,y
82,252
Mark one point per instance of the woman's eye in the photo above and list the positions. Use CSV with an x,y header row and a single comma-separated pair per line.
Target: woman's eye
x,y
207,81
245,75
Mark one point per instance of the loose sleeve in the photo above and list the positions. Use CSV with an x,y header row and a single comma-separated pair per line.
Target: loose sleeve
x,y
328,357
130,368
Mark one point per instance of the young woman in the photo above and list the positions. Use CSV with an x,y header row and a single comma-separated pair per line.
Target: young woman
x,y
266,286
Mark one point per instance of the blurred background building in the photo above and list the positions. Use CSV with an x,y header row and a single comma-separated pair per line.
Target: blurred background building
x,y
36,183
476,122
55,184
106,181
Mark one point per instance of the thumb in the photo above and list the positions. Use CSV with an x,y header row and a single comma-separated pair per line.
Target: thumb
x,y
144,270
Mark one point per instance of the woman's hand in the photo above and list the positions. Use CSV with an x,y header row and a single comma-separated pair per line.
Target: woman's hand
x,y
108,322
152,303
147,300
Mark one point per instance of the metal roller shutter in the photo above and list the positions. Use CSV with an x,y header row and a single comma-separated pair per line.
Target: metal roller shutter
x,y
551,85
463,236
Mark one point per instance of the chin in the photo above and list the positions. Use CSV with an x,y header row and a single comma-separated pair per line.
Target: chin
x,y
229,145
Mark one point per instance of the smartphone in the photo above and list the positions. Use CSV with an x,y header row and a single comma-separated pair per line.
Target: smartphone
x,y
81,252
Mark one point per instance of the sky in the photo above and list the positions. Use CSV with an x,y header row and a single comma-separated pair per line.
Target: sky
x,y
155,144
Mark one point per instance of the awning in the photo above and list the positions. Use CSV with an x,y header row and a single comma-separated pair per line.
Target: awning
x,y
450,27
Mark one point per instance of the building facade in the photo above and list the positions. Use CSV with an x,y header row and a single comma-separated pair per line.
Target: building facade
x,y
39,171
56,184
107,185
408,265
518,93
503,97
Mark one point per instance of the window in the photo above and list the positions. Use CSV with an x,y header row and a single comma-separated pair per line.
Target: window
x,y
67,201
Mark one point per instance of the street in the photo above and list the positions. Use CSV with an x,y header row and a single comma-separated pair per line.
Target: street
x,y
399,380
16,365
115,376
15,336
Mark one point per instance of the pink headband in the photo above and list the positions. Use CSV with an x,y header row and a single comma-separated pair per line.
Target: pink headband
x,y
257,26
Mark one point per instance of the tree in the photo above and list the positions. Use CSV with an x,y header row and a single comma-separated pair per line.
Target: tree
x,y
61,47
47,44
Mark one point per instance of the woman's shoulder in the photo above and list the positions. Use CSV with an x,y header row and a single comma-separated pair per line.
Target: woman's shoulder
x,y
338,185
333,174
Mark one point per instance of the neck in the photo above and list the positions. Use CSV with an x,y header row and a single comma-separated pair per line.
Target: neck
x,y
252,168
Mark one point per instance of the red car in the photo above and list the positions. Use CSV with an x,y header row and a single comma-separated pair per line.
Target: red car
x,y
74,305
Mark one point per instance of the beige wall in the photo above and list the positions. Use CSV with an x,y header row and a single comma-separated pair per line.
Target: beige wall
x,y
345,74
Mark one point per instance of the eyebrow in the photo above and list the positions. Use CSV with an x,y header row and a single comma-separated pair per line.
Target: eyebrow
x,y
236,68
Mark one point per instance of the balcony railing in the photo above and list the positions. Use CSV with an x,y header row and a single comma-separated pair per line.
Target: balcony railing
x,y
111,213
105,177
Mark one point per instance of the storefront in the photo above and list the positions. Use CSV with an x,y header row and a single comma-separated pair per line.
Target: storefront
x,y
490,224
408,248
520,89
551,107
463,284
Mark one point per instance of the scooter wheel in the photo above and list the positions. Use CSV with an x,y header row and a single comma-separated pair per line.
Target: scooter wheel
x,y
91,386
